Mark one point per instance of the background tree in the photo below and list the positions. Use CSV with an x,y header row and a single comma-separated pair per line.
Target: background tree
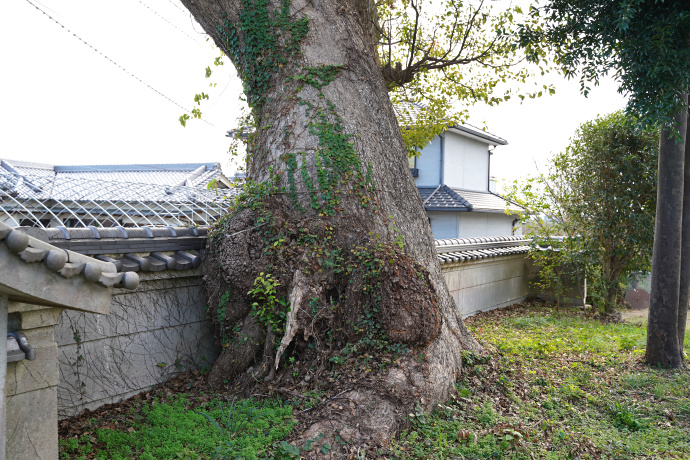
x,y
646,45
450,55
601,195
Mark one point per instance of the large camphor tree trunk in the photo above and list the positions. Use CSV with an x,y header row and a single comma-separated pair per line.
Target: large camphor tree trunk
x,y
330,223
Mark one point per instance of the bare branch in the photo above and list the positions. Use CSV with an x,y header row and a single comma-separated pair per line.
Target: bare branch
x,y
414,35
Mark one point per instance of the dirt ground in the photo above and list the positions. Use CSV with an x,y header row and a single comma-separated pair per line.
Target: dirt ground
x,y
635,316
639,316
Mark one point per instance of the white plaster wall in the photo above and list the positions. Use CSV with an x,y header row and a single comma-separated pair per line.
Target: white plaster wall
x,y
444,224
476,224
486,284
466,163
151,335
429,164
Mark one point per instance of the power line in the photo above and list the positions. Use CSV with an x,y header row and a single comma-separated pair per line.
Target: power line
x,y
113,62
171,24
178,7
221,93
191,18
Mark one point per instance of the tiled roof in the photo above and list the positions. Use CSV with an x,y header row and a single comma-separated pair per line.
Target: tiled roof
x,y
460,250
193,175
80,189
66,263
443,198
177,174
28,194
134,249
487,201
409,113
461,256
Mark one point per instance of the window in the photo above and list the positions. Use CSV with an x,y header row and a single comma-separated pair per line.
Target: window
x,y
412,162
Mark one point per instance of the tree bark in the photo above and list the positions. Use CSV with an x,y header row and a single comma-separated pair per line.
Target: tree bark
x,y
684,297
334,150
662,331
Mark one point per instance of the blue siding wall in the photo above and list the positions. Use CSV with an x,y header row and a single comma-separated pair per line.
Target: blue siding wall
x,y
429,164
449,224
444,224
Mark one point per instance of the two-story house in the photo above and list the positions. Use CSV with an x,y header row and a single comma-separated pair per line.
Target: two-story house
x,y
452,174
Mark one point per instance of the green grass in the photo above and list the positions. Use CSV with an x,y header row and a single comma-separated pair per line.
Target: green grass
x,y
557,386
554,386
172,430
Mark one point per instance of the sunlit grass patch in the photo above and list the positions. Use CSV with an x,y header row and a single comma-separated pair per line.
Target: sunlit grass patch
x,y
555,386
558,386
537,334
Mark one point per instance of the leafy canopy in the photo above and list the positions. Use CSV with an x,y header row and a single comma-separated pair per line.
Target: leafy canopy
x,y
448,55
644,43
445,56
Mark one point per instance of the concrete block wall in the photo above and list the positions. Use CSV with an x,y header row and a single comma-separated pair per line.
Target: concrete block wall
x,y
486,284
151,335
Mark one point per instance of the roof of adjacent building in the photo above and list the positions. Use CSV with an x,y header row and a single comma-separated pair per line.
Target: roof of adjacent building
x,y
444,198
412,112
92,195
62,187
488,201
196,175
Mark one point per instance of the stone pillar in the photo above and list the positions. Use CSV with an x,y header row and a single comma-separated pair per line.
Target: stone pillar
x,y
3,369
32,387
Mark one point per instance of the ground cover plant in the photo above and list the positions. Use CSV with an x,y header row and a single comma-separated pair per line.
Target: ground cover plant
x,y
183,419
556,385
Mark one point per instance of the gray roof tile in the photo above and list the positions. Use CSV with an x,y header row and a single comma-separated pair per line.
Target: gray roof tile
x,y
443,198
487,201
38,193
176,174
462,249
460,256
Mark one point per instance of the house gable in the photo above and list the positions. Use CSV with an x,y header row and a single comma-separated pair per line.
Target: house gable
x,y
466,164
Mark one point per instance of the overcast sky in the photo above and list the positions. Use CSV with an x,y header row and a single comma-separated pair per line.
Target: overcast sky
x,y
64,103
